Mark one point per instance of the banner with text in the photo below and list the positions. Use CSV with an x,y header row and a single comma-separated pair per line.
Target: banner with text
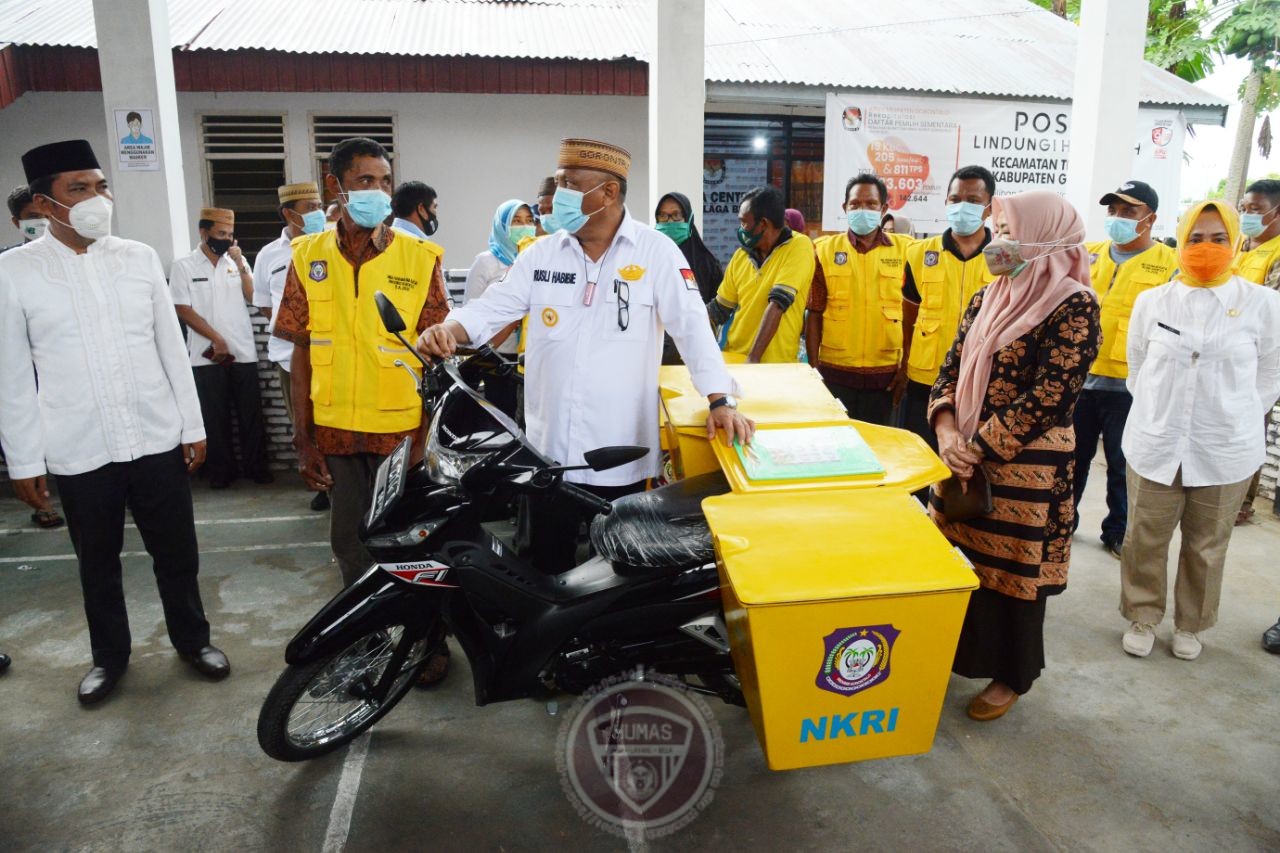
x,y
916,143
724,182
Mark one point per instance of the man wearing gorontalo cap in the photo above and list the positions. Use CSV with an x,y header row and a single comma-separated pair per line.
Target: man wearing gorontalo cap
x,y
302,212
598,291
211,288
115,415
1121,268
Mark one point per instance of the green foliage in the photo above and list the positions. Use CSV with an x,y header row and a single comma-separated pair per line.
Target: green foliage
x,y
1252,32
1175,41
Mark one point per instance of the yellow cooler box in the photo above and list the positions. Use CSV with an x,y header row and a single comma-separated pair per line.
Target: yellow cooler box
x,y
843,609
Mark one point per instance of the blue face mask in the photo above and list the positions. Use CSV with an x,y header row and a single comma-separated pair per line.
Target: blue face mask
x,y
965,217
1121,231
1253,224
368,207
863,222
566,209
313,222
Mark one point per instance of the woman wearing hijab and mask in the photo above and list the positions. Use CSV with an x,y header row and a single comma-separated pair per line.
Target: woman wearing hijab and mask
x,y
1204,368
512,223
674,217
1003,403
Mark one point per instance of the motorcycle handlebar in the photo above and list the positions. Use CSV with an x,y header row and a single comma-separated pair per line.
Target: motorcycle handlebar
x,y
585,498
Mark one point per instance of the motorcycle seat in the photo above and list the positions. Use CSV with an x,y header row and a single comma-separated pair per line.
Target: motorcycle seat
x,y
662,531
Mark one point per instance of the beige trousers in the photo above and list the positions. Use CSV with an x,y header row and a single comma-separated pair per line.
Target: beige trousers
x,y
1207,516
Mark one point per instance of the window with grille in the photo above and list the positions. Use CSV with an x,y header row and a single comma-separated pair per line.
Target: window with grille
x,y
244,164
328,130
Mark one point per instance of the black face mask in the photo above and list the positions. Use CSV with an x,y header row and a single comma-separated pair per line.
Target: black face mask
x,y
218,247
430,225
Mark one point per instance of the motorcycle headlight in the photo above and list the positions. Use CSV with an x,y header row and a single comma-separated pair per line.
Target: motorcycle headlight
x,y
445,466
416,534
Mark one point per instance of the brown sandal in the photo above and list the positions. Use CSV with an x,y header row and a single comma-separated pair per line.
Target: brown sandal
x,y
984,712
47,519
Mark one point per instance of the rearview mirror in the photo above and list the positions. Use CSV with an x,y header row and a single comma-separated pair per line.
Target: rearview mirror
x,y
391,318
604,458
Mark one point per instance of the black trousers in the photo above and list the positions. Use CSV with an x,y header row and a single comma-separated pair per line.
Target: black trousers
x,y
916,412
1002,639
553,522
1103,414
158,494
222,387
874,407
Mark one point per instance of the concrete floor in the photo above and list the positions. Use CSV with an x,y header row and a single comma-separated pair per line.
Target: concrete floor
x,y
1106,753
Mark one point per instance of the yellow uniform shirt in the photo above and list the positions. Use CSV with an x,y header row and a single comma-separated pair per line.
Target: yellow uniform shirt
x,y
1117,287
945,284
747,288
862,316
1261,265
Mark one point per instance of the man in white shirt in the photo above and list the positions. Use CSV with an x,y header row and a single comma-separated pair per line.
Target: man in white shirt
x,y
1204,367
303,213
416,209
115,416
599,292
211,289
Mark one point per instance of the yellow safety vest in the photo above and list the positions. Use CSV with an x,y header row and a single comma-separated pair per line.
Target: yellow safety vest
x,y
946,284
862,323
355,384
746,287
1255,263
1117,288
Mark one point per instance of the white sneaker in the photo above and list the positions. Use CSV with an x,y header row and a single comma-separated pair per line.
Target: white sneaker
x,y
1139,639
1186,645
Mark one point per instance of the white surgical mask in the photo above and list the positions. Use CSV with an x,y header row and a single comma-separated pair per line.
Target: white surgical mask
x,y
91,218
32,229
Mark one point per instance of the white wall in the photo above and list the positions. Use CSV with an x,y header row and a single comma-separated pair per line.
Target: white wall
x,y
475,150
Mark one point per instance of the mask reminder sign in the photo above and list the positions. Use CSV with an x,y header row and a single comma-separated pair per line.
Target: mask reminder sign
x,y
136,150
808,453
914,144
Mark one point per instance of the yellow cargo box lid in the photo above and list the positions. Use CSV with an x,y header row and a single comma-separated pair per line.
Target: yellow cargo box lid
x,y
771,394
796,547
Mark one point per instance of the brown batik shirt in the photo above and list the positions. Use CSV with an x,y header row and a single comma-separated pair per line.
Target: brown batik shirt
x,y
294,315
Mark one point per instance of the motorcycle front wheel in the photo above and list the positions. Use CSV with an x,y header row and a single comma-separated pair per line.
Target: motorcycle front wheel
x,y
318,707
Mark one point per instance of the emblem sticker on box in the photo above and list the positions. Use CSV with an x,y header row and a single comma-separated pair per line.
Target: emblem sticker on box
x,y
856,659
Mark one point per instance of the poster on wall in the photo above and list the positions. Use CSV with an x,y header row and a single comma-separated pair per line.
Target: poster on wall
x,y
724,182
137,150
916,143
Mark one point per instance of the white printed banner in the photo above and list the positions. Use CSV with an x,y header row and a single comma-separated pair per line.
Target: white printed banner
x,y
916,143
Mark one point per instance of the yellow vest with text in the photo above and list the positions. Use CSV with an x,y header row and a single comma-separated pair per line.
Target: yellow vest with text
x,y
355,384
946,284
1254,264
1117,288
862,323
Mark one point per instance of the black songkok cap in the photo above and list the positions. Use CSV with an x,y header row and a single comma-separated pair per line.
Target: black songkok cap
x,y
71,155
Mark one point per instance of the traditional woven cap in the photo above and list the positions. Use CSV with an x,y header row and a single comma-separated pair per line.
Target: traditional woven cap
x,y
301,191
218,214
71,155
592,154
547,187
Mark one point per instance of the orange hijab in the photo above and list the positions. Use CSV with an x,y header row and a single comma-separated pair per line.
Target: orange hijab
x,y
1011,307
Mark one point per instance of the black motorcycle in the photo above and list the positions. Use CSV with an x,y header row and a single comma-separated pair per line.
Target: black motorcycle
x,y
648,601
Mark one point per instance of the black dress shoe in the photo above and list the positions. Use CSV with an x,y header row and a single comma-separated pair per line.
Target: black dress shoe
x,y
320,502
210,662
1271,639
98,684
5,660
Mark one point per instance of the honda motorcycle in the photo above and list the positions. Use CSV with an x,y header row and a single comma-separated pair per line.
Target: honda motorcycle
x,y
647,601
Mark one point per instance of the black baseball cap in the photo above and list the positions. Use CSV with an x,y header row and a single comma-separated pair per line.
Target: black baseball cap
x,y
1133,192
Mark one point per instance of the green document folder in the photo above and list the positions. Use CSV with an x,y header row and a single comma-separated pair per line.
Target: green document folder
x,y
807,453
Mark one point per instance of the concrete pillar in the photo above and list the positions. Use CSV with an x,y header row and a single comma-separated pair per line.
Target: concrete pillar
x,y
136,59
677,99
1104,105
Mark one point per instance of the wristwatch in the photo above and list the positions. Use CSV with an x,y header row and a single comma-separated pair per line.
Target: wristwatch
x,y
727,400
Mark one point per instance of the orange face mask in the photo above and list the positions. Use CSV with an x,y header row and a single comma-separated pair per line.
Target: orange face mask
x,y
1207,263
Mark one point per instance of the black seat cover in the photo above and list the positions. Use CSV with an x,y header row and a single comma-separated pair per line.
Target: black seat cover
x,y
660,530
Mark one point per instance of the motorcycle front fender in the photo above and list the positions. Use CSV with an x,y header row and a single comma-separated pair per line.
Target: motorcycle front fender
x,y
374,601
